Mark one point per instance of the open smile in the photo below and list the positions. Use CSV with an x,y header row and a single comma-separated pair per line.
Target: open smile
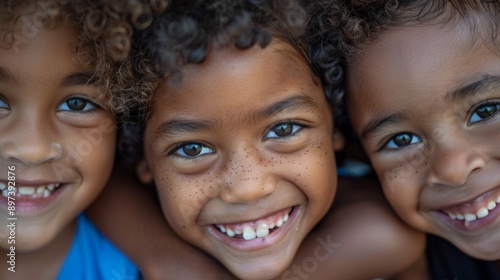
x,y
254,235
31,199
475,213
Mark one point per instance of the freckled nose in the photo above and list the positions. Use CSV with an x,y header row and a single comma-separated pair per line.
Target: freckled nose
x,y
247,181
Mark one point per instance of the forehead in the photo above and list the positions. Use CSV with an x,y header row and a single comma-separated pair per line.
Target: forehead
x,y
240,77
419,58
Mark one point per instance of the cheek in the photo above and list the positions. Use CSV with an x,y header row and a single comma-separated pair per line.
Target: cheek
x,y
182,197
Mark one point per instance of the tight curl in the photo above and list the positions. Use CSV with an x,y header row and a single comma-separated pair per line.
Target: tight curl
x,y
363,21
104,29
185,31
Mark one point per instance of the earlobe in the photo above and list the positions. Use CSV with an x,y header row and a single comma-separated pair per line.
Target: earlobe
x,y
338,140
144,172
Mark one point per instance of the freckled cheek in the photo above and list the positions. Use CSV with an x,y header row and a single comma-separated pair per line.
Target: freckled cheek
x,y
182,197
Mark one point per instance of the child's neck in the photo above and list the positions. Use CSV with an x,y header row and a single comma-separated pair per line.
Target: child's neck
x,y
44,263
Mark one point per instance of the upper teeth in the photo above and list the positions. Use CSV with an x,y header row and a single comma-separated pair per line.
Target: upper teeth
x,y
34,191
249,232
480,213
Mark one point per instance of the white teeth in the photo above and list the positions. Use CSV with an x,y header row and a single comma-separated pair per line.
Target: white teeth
x,y
237,231
262,230
453,217
482,212
285,218
26,190
229,233
46,193
498,199
279,223
40,189
223,229
51,187
3,186
460,217
249,233
470,217
491,205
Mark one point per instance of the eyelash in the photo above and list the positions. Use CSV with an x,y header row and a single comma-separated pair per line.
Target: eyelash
x,y
173,151
94,105
294,133
482,105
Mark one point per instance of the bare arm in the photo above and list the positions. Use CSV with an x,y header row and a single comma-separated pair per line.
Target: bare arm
x,y
360,238
129,214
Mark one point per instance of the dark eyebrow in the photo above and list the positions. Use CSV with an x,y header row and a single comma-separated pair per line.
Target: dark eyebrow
x,y
379,123
5,75
475,88
293,103
79,79
173,127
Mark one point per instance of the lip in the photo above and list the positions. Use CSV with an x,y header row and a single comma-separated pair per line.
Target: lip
x,y
28,206
258,243
464,207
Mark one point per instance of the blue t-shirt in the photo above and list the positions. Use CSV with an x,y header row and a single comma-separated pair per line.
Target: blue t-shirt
x,y
93,257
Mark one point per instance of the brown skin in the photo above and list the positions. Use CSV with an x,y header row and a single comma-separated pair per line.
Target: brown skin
x,y
393,249
39,129
451,161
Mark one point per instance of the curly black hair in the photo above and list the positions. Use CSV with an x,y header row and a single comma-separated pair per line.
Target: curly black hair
x,y
363,21
104,29
185,31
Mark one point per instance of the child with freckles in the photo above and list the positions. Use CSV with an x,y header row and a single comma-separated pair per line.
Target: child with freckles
x,y
423,95
61,100
240,142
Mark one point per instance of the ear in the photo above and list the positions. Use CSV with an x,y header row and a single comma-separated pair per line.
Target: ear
x,y
144,172
338,140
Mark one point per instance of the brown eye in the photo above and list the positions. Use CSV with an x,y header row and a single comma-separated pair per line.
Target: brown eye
x,y
77,104
193,150
402,140
484,112
283,130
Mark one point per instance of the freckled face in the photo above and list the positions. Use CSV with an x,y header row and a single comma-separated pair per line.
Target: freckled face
x,y
426,101
242,156
60,141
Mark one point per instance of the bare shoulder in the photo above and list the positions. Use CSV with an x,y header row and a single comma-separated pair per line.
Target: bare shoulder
x,y
370,234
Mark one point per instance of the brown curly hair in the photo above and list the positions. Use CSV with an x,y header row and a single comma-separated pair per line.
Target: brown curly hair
x,y
104,30
185,31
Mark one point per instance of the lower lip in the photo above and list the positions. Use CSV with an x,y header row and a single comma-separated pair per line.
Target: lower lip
x,y
258,243
474,225
28,206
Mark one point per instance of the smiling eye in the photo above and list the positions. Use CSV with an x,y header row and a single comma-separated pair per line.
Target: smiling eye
x,y
283,130
484,112
77,104
402,140
193,150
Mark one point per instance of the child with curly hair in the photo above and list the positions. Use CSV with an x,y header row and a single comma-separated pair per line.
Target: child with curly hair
x,y
60,98
240,141
423,89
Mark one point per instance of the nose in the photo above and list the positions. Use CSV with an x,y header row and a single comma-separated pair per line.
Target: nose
x,y
454,161
29,143
246,179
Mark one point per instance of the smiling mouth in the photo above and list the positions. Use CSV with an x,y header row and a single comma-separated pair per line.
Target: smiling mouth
x,y
41,191
478,209
256,229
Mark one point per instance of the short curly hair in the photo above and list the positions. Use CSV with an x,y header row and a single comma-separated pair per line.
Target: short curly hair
x,y
104,29
185,31
363,21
